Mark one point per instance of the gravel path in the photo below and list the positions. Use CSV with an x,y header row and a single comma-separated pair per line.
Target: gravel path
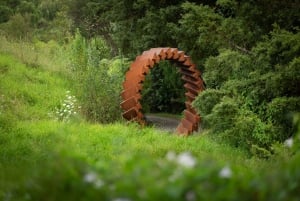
x,y
163,123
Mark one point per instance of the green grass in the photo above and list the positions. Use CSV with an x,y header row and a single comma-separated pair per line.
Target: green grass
x,y
116,147
50,56
45,159
29,93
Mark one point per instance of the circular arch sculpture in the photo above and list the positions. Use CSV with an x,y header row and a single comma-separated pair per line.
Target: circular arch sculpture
x,y
135,76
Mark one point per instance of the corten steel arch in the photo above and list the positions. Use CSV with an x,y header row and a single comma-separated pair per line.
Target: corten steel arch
x,y
135,77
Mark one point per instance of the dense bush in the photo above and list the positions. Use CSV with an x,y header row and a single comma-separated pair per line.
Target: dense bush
x,y
280,112
97,79
5,13
263,86
226,66
18,27
206,100
248,130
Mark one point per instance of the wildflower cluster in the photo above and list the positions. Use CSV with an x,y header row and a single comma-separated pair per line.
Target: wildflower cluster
x,y
67,109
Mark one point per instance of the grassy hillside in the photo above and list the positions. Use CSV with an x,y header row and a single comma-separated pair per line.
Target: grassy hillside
x,y
42,158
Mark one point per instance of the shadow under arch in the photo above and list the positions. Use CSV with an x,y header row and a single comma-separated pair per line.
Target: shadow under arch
x,y
135,76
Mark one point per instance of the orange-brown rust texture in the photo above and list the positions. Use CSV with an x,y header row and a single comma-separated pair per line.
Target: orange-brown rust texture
x,y
135,76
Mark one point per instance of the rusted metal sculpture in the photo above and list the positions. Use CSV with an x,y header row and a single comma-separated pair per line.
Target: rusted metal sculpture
x,y
135,76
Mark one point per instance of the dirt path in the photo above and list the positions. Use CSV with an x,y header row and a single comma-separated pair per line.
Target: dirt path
x,y
163,123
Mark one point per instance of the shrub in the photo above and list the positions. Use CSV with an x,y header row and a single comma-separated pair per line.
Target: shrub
x,y
98,79
280,47
280,113
285,80
227,65
248,130
18,27
100,95
5,13
223,115
206,100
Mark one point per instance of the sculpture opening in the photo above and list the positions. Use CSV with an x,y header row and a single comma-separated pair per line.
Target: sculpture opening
x,y
135,76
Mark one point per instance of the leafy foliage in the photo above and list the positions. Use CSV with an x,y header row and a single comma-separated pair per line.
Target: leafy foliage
x,y
98,80
263,86
163,89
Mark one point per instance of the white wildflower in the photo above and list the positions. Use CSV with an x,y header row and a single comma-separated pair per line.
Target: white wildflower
x,y
190,196
289,142
121,199
225,172
98,183
90,177
171,156
186,159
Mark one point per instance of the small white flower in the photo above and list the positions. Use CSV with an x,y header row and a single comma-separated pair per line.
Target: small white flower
x,y
186,159
289,142
190,196
225,172
90,177
121,199
98,183
171,156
